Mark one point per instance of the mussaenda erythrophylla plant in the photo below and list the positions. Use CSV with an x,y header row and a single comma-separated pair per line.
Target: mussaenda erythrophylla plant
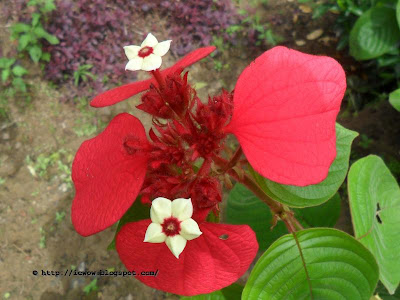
x,y
282,111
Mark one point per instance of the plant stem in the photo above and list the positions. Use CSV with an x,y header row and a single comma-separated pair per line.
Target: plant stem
x,y
277,208
234,160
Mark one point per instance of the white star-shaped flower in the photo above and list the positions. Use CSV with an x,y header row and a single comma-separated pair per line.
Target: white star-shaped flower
x,y
172,224
147,56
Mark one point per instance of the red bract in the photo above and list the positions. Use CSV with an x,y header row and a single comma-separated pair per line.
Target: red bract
x,y
210,262
121,93
285,107
108,172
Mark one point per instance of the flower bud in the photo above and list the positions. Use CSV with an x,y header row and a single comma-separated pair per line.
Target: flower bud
x,y
206,192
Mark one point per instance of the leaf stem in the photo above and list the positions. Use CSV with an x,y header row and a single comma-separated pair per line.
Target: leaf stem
x,y
304,264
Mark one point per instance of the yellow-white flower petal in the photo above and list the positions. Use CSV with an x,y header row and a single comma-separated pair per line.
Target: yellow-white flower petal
x,y
149,41
190,229
154,234
182,209
132,51
134,64
160,209
162,48
176,244
151,62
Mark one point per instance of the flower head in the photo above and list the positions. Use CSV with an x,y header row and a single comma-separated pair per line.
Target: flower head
x,y
147,56
172,224
123,92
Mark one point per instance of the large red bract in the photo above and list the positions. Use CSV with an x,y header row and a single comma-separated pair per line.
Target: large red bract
x,y
107,178
285,107
214,260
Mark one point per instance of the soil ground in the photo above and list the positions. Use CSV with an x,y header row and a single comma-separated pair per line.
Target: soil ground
x,y
35,228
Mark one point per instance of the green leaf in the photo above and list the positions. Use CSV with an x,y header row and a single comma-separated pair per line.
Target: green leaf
x,y
398,12
331,265
19,28
52,39
48,6
217,295
23,41
324,215
36,53
19,84
19,71
375,209
41,33
46,56
374,33
136,212
6,63
5,74
35,19
383,294
232,292
243,207
315,194
394,98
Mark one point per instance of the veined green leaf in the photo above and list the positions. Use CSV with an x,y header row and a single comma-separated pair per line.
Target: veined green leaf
x,y
331,265
374,33
375,209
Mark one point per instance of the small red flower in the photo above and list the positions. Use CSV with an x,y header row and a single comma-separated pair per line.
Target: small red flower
x,y
285,107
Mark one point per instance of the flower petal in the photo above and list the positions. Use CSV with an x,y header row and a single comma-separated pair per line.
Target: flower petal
x,y
134,64
126,91
107,179
285,107
190,229
176,244
162,48
160,209
154,234
149,41
182,209
151,62
132,51
207,264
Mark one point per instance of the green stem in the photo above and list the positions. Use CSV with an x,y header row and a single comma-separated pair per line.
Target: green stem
x,y
304,265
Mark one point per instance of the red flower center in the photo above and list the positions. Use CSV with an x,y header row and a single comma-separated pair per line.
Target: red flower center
x,y
171,226
145,51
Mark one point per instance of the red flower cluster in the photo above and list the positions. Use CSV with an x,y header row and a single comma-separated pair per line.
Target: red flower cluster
x,y
283,113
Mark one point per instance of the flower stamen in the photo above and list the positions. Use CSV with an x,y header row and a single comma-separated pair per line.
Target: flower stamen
x,y
171,226
145,51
